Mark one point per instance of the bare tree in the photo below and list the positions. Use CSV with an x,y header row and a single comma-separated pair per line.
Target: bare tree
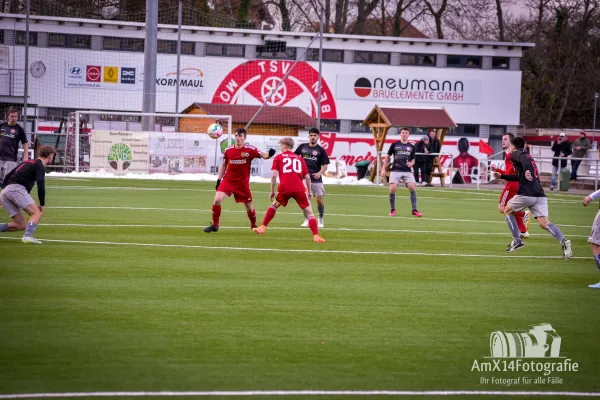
x,y
437,14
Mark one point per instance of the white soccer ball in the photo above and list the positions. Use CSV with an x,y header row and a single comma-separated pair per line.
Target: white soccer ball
x,y
215,131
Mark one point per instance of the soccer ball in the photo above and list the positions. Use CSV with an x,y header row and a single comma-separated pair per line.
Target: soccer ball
x,y
215,131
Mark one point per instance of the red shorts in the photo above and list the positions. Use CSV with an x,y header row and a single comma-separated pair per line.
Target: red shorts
x,y
241,193
300,197
508,193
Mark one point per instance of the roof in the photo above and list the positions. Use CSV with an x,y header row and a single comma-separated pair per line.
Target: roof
x,y
412,117
268,115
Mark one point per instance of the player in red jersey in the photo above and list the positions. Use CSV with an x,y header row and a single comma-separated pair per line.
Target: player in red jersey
x,y
510,189
291,169
234,178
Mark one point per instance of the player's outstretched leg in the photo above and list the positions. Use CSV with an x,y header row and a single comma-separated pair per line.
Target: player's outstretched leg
x,y
251,212
558,235
312,224
596,252
413,199
270,214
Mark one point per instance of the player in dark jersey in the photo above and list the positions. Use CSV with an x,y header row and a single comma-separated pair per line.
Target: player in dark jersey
x,y
594,237
316,160
234,178
529,195
11,134
15,194
404,159
291,170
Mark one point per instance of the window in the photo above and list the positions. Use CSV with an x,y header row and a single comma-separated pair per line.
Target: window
x,y
70,41
170,47
328,55
56,114
455,61
500,62
224,50
465,130
20,38
123,44
356,126
418,59
371,57
330,125
288,54
1,37
120,117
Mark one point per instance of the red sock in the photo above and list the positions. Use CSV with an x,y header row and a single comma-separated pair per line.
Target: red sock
x,y
269,215
216,214
252,217
519,217
312,224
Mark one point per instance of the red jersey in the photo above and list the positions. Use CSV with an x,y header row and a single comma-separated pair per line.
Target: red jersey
x,y
238,163
465,164
508,166
292,169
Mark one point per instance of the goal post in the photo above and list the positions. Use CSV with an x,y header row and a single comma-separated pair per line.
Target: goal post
x,y
115,141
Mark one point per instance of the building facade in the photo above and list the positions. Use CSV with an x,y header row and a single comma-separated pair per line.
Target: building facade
x,y
99,65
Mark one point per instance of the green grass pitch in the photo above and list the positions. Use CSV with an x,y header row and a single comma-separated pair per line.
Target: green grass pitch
x,y
133,296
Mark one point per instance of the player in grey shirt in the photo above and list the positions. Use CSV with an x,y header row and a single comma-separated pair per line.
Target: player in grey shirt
x,y
404,159
316,160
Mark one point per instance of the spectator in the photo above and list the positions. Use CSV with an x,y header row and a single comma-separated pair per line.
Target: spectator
x,y
580,147
436,147
561,148
422,158
11,134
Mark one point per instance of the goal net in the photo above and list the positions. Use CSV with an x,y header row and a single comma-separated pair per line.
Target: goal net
x,y
115,143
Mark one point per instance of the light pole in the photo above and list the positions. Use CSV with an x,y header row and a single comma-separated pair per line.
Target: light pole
x,y
596,95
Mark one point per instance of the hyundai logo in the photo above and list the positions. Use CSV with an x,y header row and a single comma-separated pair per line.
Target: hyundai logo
x,y
76,71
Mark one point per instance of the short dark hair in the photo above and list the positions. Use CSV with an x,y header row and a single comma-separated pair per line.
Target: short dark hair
x,y
510,135
45,151
404,128
241,131
12,110
518,142
314,130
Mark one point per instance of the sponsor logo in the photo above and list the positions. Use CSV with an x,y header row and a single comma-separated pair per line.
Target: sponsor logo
x,y
76,71
190,79
261,80
128,75
120,156
111,74
244,154
409,89
315,153
362,87
92,73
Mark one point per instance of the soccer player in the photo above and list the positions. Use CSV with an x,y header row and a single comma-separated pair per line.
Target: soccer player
x,y
404,159
529,195
594,238
15,194
316,161
291,169
510,189
234,178
11,134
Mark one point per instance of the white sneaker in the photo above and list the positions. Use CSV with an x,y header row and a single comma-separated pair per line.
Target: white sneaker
x,y
320,223
304,224
524,235
29,239
595,286
567,252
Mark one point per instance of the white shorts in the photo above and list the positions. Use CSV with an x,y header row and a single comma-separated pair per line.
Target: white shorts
x,y
406,177
595,234
317,189
15,199
537,205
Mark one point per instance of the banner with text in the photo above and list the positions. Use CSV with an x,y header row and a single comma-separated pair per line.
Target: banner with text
x,y
119,152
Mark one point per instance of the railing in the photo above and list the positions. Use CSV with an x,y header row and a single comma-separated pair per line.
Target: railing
x,y
381,153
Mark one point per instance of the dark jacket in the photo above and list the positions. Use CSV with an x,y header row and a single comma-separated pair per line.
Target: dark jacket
x,y
565,149
421,147
434,144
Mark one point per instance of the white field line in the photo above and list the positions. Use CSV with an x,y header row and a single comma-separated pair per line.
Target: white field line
x,y
400,195
507,233
499,221
304,393
311,251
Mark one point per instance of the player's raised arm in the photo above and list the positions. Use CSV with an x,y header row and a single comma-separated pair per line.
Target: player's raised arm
x,y
267,155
